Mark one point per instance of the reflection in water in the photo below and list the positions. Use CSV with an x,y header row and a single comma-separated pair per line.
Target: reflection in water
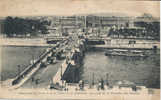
x,y
142,71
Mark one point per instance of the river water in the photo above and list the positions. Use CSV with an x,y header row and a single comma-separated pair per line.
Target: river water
x,y
138,70
14,56
141,71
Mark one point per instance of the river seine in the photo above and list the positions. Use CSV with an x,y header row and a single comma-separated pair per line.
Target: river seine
x,y
141,71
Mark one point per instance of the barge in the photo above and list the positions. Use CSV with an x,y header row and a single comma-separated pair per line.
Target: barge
x,y
127,53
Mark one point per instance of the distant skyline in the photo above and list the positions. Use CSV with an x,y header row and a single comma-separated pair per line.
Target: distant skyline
x,y
77,7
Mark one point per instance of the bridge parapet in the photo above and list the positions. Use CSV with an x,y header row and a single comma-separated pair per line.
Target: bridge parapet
x,y
32,68
51,40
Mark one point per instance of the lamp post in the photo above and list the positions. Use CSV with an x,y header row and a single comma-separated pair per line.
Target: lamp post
x,y
62,76
93,79
107,76
19,70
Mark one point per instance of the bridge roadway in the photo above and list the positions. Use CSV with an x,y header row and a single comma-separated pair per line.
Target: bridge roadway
x,y
52,73
33,68
44,75
77,48
36,77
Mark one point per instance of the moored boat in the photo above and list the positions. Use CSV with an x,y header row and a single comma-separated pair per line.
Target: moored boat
x,y
128,53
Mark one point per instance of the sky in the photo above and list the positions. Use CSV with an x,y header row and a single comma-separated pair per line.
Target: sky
x,y
74,7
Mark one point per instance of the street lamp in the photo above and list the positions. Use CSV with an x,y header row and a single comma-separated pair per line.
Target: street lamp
x,y
19,71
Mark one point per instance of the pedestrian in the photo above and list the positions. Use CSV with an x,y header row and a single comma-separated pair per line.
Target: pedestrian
x,y
102,84
32,79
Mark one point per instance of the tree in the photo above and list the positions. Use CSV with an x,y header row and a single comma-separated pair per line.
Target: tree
x,y
8,26
20,26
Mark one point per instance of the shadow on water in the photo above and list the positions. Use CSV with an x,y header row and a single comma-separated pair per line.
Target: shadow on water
x,y
73,74
154,77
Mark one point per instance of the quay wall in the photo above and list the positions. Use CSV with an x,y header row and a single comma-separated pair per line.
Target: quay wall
x,y
72,73
105,41
123,43
28,42
125,46
23,42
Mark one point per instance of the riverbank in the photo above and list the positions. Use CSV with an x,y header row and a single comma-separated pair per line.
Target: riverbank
x,y
122,43
23,42
126,46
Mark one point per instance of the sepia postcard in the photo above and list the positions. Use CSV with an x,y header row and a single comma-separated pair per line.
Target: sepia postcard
x,y
80,49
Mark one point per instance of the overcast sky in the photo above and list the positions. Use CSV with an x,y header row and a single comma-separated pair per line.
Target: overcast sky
x,y
70,7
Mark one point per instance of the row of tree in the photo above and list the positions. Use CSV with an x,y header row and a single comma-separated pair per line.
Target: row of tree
x,y
144,30
23,26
